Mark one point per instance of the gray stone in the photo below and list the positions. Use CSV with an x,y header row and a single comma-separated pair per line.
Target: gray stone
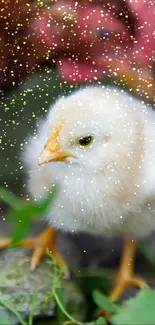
x,y
18,285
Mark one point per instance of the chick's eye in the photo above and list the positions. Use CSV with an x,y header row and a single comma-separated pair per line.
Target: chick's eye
x,y
85,141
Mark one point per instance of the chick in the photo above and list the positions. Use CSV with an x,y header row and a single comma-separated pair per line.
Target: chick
x,y
98,144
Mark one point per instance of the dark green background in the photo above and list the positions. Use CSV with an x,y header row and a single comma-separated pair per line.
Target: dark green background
x,y
20,109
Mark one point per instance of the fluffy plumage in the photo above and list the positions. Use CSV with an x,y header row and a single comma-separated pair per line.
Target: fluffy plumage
x,y
110,186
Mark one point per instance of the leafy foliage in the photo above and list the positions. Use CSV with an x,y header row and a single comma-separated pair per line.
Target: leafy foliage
x,y
4,319
23,212
100,321
147,252
139,310
103,302
12,309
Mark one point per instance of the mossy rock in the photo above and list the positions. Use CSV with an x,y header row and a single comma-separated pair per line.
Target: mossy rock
x,y
18,285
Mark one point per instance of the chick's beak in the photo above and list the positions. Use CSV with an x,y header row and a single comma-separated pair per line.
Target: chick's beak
x,y
52,150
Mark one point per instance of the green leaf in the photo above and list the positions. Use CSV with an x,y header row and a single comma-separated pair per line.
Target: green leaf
x,y
42,206
100,321
25,212
95,280
34,300
11,308
61,317
61,306
147,252
103,302
4,319
9,198
138,311
19,231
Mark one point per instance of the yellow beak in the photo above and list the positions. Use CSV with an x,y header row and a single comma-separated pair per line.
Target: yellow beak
x,y
52,149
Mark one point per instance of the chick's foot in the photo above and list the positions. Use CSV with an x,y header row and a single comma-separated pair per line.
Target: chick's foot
x,y
125,277
41,243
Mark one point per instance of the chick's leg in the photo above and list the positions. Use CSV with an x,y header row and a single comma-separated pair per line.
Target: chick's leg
x,y
42,242
125,276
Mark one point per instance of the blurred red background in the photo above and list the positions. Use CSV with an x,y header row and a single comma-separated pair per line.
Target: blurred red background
x,y
85,40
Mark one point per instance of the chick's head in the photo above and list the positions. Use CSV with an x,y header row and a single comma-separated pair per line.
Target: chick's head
x,y
84,127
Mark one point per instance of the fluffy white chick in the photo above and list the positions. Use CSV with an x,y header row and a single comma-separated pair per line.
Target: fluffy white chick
x,y
108,186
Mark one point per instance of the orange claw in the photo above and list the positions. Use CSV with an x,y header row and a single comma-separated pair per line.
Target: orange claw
x,y
40,244
125,277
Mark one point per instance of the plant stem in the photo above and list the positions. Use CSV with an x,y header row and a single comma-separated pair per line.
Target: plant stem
x,y
15,312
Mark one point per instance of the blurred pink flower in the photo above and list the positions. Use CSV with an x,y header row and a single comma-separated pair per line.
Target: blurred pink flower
x,y
86,40
85,37
143,50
